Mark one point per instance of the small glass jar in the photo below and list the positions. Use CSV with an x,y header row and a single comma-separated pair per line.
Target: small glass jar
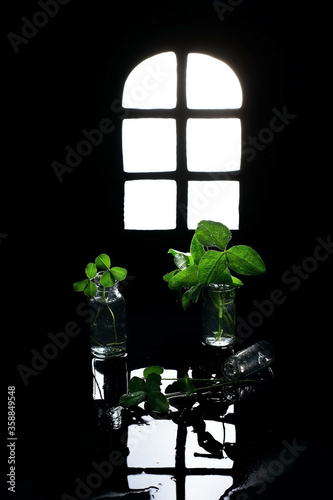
x,y
108,327
219,315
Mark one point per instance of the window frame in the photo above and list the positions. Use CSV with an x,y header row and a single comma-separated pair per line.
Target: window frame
x,y
181,114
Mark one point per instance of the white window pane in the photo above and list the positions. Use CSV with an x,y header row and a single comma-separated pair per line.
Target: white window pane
x,y
213,145
197,457
150,204
153,444
213,200
149,145
208,487
160,486
211,84
152,83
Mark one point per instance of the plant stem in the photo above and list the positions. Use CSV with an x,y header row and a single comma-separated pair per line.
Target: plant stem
x,y
220,309
111,312
207,388
229,321
113,322
96,341
96,316
112,315
193,379
223,314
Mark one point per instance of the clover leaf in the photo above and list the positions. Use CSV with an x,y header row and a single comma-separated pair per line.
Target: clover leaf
x,y
157,401
103,261
107,278
146,389
91,270
133,399
87,286
153,369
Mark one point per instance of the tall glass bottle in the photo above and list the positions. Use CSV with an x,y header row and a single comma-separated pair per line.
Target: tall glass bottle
x,y
219,315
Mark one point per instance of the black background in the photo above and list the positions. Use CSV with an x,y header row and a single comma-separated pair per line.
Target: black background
x,y
64,80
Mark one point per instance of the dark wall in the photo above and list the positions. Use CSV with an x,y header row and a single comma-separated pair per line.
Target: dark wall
x,y
66,76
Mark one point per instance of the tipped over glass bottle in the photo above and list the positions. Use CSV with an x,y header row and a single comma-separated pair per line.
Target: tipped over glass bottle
x,y
253,359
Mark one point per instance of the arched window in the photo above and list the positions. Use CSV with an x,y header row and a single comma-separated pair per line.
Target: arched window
x,y
181,141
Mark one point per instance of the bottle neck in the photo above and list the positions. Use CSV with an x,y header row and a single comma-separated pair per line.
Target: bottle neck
x,y
220,287
110,291
228,292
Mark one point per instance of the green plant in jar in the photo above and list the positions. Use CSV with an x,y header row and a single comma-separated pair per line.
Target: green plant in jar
x,y
208,267
108,335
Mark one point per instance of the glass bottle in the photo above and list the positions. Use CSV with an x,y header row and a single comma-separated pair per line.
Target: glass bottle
x,y
253,359
219,315
108,327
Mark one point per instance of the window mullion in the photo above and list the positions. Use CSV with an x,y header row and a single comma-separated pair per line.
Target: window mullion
x,y
150,113
181,120
214,113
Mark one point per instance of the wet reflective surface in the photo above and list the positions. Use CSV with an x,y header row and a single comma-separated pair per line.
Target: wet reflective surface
x,y
247,441
173,454
200,448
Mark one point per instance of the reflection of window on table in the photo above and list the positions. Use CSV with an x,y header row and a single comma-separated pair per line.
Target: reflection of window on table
x,y
181,141
169,456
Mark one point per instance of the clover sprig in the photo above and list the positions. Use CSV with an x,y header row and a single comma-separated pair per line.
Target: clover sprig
x,y
147,389
107,277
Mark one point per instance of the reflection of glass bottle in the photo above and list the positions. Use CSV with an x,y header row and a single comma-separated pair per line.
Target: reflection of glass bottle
x,y
109,383
251,360
235,393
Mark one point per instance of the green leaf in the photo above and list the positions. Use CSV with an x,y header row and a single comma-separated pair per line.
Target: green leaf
x,y
137,384
212,266
197,250
192,294
107,279
153,382
167,277
79,286
190,389
133,399
236,281
244,260
186,278
158,401
177,386
182,260
152,369
119,273
91,270
103,261
225,278
213,234
90,289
